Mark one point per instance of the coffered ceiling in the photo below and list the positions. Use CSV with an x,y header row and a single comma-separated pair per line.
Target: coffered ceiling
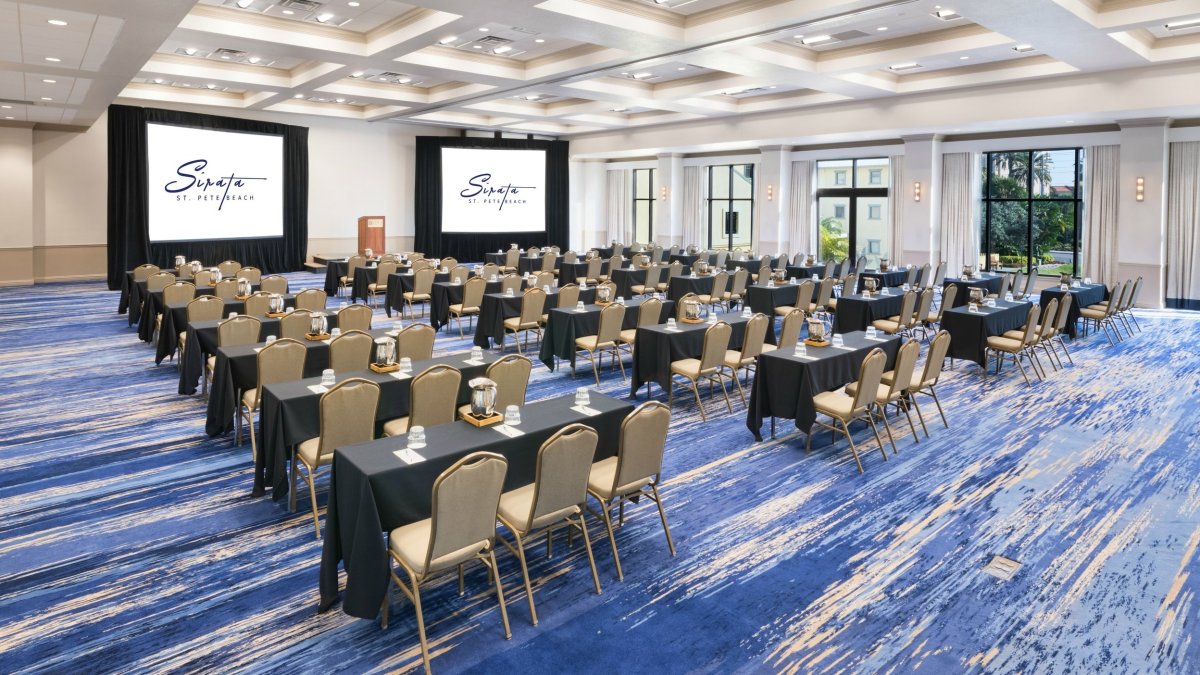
x,y
558,67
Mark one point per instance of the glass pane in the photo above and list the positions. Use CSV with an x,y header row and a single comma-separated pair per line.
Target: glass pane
x,y
834,234
871,225
872,173
981,218
642,212
744,227
1009,223
1054,174
743,181
1053,235
641,183
834,173
716,231
1009,174
720,181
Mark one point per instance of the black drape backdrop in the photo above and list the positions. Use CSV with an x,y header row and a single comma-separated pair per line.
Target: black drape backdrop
x,y
470,247
128,241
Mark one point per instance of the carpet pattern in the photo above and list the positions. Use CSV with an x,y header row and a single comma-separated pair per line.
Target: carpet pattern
x,y
129,540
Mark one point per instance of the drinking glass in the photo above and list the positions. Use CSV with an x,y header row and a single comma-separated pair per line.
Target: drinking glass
x,y
871,332
405,365
512,416
328,378
416,437
671,324
801,350
233,315
579,306
581,396
271,338
335,332
837,340
477,353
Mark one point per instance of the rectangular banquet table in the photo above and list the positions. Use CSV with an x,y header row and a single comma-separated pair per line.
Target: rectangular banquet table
x,y
687,259
565,325
625,278
656,347
131,294
969,331
360,287
988,282
763,299
1084,295
236,370
496,307
855,312
527,264
686,283
153,304
335,270
570,273
291,412
372,491
403,282
785,384
446,293
805,271
891,277
175,322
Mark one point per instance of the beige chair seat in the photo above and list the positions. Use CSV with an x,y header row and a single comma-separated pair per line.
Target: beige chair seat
x,y
604,474
638,289
733,359
768,348
249,398
689,368
395,427
1090,313
410,543
515,324
834,402
459,309
212,363
516,505
881,393
629,335
591,343
832,304
308,452
377,287
888,325
413,296
1005,344
1020,334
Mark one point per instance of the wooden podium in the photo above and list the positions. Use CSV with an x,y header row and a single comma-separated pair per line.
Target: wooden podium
x,y
371,234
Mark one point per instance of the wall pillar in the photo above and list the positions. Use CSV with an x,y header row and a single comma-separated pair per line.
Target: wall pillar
x,y
1145,153
920,226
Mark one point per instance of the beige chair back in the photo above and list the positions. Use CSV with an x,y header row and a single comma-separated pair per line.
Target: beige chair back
x,y
674,270
203,278
679,304
737,285
716,342
616,262
611,318
719,280
544,279
510,282
295,324
533,302
348,414
1029,283
907,306
280,361
924,279
781,261
1137,291
948,296
593,268
229,268
489,270
938,348
570,257
825,291
473,292
755,335
159,280
861,264
251,274
911,277
274,284
1030,325
460,273
828,269
1017,285
1064,313
240,330
923,306
804,294
643,440
423,281
226,289
355,317
416,342
258,304
1005,282
548,260
383,271
653,277
721,258
179,293
649,312
312,299
906,362
512,257
1049,314
789,332
564,463
144,271
423,264
350,351
940,275
449,263
850,284
511,375
869,375
433,396
205,308
568,295
353,263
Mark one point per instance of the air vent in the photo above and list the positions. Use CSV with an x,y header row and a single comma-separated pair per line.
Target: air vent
x,y
1002,568
301,5
849,35
744,92
946,15
526,31
902,67
492,41
229,54
192,51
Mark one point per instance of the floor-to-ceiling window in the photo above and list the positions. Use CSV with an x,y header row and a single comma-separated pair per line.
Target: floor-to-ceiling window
x,y
731,206
1030,211
643,205
852,209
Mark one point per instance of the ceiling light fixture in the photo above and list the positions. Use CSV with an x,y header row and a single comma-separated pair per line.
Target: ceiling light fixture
x,y
50,81
642,76
211,86
254,59
190,51
53,59
352,4
47,98
483,30
288,12
881,28
502,49
8,118
478,47
905,66
56,22
1181,25
946,14
341,100
1023,48
322,18
244,3
298,96
158,80
357,73
6,107
224,57
816,39
681,68
447,40
619,110
963,58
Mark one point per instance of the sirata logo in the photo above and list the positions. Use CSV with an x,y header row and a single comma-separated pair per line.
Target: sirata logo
x,y
480,192
194,171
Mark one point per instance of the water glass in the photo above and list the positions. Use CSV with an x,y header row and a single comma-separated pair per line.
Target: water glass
x,y
512,416
746,313
620,300
342,305
991,302
289,310
871,332
801,350
328,379
271,338
397,326
476,353
671,324
416,437
837,340
712,317
581,396
816,279
1008,297
508,292
335,332
579,306
405,364
233,315
546,288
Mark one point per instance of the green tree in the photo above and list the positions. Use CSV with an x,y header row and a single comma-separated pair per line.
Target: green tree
x,y
835,245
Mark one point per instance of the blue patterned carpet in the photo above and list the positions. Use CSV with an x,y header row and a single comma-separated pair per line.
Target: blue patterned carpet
x,y
129,541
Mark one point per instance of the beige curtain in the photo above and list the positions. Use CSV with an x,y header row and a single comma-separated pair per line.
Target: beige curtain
x,y
959,233
800,234
693,207
619,206
1183,222
895,212
1102,190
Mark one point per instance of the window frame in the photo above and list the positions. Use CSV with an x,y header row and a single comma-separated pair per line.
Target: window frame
x,y
852,193
709,200
1029,200
649,198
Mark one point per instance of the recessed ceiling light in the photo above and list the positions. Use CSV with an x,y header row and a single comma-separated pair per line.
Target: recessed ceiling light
x,y
478,47
224,57
357,73
185,84
817,39
158,80
352,4
244,3
946,14
288,12
502,49
483,30
797,37
681,68
641,76
963,58
539,41
254,59
532,97
619,109
190,51
881,28
56,22
1023,48
8,118
6,107
322,18
211,86
404,80
341,100
447,40
47,98
905,66
53,59
298,96
1070,121
771,87
50,81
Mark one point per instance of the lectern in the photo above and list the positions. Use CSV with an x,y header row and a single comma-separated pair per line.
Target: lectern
x,y
371,234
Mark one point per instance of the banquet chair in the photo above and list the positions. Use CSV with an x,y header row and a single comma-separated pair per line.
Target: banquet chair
x,y
295,324
232,332
350,351
828,270
420,263
548,260
711,299
1005,282
737,288
903,322
1060,327
653,275
202,308
764,271
274,284
543,279
472,298
1018,288
824,296
673,270
947,302
529,320
448,263
939,275
251,274
142,272
924,280
415,342
926,380
612,289
556,250
229,268
556,498
489,270
569,258
1123,307
781,262
226,289
1101,314
649,312
1044,331
258,304
656,254
1000,345
380,285
279,361
460,274
1131,302
804,299
848,286
924,305
843,408
608,332
679,304
618,249
355,317
389,257
592,272
910,276
1030,281
511,282
178,293
636,471
616,262
789,331
158,281
347,416
710,366
747,357
721,258
512,259
568,296
893,391
422,289
860,265
352,264
203,278
511,375
431,400
312,299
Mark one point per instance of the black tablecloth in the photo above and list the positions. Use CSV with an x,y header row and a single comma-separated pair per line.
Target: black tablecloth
x,y
334,271
565,325
496,307
371,491
175,322
805,271
750,266
570,273
854,312
989,282
152,305
656,347
403,282
888,278
236,370
534,264
685,258
764,299
291,413
784,384
969,331
627,277
1081,297
446,293
686,283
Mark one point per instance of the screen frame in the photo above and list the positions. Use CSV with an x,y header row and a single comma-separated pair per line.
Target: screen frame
x,y
446,191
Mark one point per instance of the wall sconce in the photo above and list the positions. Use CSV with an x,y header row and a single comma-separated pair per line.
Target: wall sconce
x,y
770,192
917,191
1140,195
662,192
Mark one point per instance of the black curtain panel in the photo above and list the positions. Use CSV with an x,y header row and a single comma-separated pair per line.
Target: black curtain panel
x,y
128,240
430,239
